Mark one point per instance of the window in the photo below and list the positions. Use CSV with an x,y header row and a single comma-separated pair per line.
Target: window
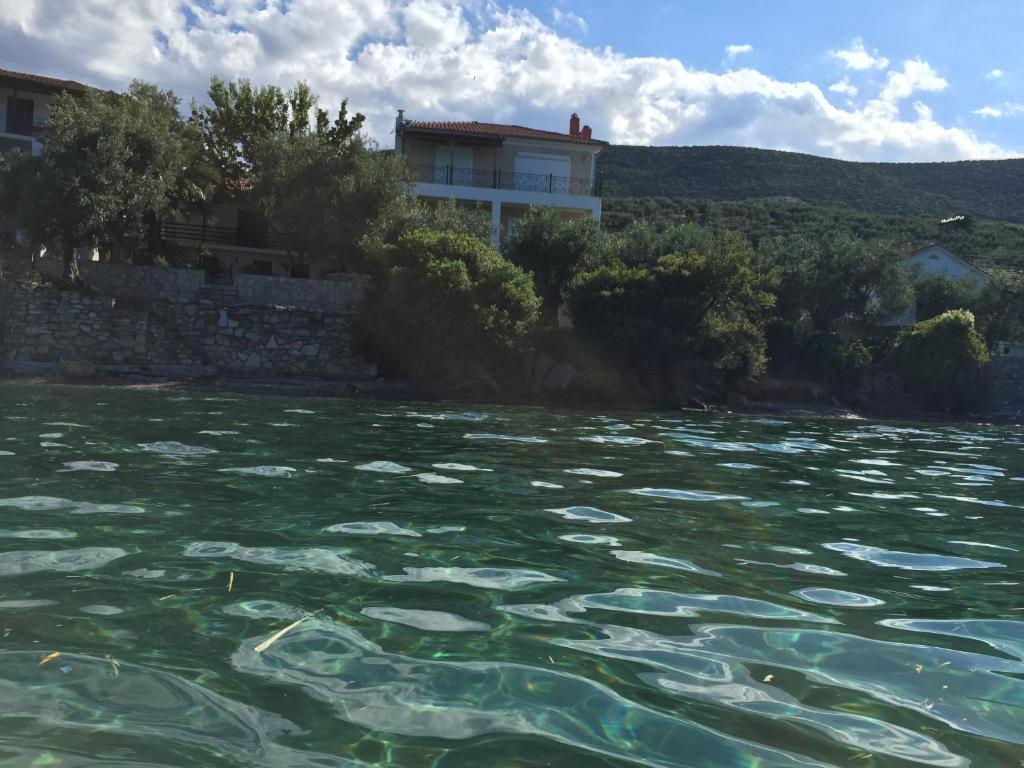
x,y
20,115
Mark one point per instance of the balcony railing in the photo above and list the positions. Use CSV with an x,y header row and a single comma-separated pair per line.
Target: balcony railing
x,y
497,179
214,235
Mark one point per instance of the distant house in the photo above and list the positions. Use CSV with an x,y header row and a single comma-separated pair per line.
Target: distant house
x,y
933,259
25,107
507,168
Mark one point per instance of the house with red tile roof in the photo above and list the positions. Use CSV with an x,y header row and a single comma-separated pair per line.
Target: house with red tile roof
x,y
25,106
507,168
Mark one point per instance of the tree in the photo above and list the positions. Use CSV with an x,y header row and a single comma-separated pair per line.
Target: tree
x,y
243,126
553,249
836,278
940,361
937,293
691,318
1000,308
112,166
444,303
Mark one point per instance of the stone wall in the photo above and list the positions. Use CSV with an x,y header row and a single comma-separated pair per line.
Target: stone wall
x,y
43,324
1006,374
185,286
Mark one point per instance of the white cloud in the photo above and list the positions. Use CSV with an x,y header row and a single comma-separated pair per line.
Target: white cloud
x,y
858,57
732,51
442,59
1007,109
994,74
568,19
989,112
844,87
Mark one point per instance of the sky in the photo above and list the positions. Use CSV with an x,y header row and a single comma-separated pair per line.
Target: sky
x,y
892,80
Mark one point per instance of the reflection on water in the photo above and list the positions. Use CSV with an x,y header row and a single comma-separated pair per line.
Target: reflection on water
x,y
503,586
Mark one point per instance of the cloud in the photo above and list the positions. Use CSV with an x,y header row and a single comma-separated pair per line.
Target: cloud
x,y
994,74
989,112
857,57
732,51
1006,109
473,61
568,19
844,87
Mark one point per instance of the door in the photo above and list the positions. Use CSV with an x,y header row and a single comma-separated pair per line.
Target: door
x,y
537,172
453,165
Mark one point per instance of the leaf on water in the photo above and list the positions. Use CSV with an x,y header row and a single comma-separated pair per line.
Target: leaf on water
x,y
49,657
281,633
919,668
115,665
231,580
167,597
768,678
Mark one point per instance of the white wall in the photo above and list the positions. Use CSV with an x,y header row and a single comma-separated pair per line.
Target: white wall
x,y
936,261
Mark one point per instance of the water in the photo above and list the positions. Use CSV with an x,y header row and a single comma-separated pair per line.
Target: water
x,y
501,586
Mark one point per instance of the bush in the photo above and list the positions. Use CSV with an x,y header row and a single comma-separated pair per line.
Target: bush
x,y
941,360
447,305
693,318
937,293
554,249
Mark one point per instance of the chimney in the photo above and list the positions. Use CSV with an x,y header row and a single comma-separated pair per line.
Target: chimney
x,y
585,133
399,127
574,125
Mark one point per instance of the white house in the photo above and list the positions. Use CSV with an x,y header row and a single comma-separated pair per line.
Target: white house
x,y
505,167
25,106
935,260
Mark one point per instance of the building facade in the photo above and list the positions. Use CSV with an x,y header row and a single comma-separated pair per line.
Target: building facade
x,y
506,168
25,107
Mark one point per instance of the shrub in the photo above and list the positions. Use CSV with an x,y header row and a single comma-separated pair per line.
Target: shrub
x,y
693,318
937,293
445,303
554,249
941,360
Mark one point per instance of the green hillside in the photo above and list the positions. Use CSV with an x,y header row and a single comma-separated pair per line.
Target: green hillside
x,y
989,244
987,189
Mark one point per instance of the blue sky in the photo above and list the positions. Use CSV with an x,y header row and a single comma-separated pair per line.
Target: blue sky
x,y
902,80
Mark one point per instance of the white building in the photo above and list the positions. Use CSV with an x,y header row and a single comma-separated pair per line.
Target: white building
x,y
505,167
25,106
935,260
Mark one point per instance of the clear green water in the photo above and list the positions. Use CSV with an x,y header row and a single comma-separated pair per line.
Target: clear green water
x,y
501,587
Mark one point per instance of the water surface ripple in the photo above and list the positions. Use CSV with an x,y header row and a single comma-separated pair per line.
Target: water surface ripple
x,y
501,586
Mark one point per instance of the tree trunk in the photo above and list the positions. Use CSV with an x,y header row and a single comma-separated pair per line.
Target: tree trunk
x,y
72,275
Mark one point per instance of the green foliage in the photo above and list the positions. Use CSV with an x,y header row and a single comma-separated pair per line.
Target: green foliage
x,y
835,278
987,189
690,318
242,125
940,361
936,293
446,305
986,244
112,166
553,249
1000,308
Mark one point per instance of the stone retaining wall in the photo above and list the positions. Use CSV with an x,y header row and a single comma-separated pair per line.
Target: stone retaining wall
x,y
43,324
185,286
1006,374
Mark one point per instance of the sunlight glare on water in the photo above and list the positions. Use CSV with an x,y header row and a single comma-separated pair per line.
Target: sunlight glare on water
x,y
501,586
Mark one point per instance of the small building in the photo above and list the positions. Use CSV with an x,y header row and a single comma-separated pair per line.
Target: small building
x,y
933,259
507,168
25,107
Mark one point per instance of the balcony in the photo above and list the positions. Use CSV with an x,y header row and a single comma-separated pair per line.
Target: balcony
x,y
497,179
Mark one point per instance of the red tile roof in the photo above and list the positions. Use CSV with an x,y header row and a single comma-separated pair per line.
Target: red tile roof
x,y
39,83
494,131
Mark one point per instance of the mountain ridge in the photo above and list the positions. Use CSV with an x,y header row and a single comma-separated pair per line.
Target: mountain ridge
x,y
987,189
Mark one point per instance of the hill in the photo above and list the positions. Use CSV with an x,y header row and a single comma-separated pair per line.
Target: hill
x,y
989,244
987,189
